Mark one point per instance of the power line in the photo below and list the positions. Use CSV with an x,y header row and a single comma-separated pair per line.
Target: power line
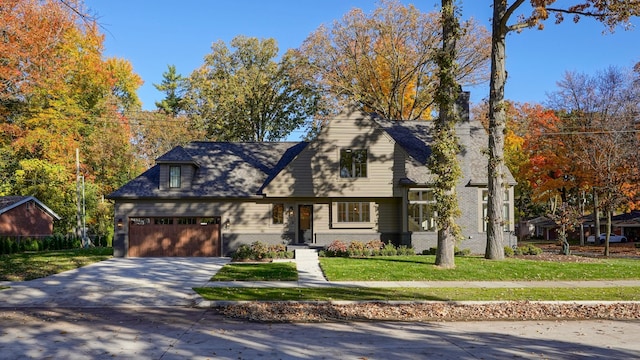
x,y
594,132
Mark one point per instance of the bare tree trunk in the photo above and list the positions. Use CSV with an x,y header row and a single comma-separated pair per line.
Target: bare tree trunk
x,y
497,120
596,217
582,202
606,238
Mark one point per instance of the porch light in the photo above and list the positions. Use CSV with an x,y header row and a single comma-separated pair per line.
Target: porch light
x,y
227,224
290,211
120,224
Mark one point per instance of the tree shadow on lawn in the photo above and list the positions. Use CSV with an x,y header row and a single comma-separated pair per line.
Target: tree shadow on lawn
x,y
337,292
415,259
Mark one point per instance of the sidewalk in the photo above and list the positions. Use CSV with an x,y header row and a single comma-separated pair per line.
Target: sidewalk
x,y
310,275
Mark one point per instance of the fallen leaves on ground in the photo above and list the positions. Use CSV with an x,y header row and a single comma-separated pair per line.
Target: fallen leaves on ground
x,y
432,311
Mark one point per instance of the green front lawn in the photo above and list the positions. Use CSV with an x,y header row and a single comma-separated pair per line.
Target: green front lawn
x,y
422,268
34,265
414,294
472,268
279,271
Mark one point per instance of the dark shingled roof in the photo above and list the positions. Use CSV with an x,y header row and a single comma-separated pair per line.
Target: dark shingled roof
x,y
176,155
226,170
415,137
237,170
9,202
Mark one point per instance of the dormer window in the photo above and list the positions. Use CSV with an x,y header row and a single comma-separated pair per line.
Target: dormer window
x,y
175,175
353,163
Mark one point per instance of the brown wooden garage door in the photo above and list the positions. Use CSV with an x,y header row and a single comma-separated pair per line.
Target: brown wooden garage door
x,y
179,236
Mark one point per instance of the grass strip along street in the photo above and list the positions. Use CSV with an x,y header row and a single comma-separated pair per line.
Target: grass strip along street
x,y
418,294
422,268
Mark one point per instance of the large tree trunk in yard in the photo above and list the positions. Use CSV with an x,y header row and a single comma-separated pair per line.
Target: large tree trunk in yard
x,y
445,256
497,120
443,162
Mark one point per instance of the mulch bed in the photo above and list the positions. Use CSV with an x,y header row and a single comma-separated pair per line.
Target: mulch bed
x,y
587,253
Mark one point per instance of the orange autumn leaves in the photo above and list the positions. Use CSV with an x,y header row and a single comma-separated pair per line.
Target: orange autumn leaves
x,y
58,93
549,156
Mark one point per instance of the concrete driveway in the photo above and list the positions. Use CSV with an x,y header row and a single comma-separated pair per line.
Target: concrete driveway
x,y
153,282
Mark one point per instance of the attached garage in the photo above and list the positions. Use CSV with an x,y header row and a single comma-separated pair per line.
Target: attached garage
x,y
174,236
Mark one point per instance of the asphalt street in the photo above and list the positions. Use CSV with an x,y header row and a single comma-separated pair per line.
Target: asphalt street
x,y
146,309
196,333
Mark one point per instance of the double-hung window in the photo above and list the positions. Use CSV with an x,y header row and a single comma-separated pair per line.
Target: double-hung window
x,y
506,213
277,214
175,174
421,210
354,212
353,163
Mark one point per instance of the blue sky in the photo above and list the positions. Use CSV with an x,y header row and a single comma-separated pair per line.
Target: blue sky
x,y
154,34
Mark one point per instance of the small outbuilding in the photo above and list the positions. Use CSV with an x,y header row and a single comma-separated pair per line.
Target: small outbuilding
x,y
25,216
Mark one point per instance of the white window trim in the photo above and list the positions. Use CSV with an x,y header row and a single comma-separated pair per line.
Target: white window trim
x,y
352,225
510,221
340,162
433,202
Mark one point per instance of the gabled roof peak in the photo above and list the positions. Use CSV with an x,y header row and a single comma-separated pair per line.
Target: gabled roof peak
x,y
9,202
177,155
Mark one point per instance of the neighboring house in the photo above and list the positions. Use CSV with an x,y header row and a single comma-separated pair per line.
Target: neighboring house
x,y
25,216
627,224
541,227
363,178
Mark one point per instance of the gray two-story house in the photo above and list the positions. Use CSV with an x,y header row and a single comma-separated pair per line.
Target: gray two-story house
x,y
362,178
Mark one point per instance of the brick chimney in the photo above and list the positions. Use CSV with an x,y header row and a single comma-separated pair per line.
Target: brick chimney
x,y
462,105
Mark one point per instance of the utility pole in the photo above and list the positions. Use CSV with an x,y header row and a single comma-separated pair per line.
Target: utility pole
x,y
78,198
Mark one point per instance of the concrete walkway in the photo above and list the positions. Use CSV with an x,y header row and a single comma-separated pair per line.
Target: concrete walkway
x,y
310,275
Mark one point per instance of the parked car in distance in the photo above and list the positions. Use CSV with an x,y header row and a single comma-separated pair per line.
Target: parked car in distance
x,y
612,238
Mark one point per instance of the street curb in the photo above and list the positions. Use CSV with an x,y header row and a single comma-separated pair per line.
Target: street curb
x,y
222,303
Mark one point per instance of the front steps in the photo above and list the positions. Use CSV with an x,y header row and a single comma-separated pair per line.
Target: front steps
x,y
306,254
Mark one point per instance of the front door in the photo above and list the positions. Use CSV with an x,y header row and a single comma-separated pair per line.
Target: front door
x,y
305,223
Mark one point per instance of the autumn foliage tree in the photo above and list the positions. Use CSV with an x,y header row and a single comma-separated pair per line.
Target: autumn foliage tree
x,y
58,94
386,61
525,123
505,20
600,114
156,132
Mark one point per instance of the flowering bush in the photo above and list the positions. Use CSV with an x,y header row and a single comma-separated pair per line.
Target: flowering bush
x,y
375,245
337,248
359,248
259,251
